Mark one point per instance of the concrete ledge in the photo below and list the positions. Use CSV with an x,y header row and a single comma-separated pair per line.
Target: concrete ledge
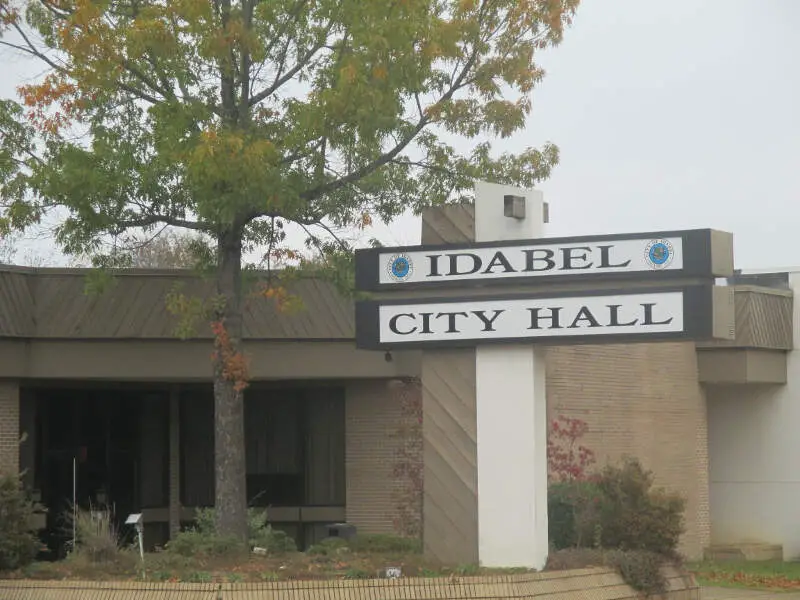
x,y
184,361
740,366
587,584
743,552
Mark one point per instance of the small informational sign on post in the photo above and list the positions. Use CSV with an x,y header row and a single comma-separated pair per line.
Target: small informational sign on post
x,y
135,519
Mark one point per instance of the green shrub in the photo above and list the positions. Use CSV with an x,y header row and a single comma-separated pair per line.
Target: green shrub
x,y
466,570
204,520
198,577
18,542
357,574
194,542
575,558
385,544
636,516
42,570
618,519
262,535
573,509
618,509
329,546
368,544
162,566
203,540
640,569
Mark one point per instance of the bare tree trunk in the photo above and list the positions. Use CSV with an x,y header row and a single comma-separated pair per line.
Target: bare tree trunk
x,y
230,494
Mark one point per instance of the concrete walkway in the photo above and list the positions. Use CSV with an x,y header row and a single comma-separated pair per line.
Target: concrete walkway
x,y
740,594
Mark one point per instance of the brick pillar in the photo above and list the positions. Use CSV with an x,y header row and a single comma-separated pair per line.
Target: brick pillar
x,y
174,463
383,456
9,427
370,418
27,428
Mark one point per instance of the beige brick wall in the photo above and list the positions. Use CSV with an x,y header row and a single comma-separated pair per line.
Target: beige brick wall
x,y
9,427
643,400
381,435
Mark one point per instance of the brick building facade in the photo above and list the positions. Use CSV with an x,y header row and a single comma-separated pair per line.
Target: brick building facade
x,y
58,343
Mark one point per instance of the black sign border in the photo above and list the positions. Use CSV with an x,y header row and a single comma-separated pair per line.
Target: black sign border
x,y
697,261
698,308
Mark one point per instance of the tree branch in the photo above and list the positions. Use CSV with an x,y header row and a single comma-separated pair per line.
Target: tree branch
x,y
227,90
161,75
289,159
365,170
147,220
138,74
419,105
299,65
32,50
342,244
279,34
244,72
368,168
422,165
55,10
15,46
311,219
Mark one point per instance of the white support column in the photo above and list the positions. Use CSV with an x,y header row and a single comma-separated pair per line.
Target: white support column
x,y
511,415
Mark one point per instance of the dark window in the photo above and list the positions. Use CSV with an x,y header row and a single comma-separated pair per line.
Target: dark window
x,y
197,447
273,437
153,480
294,441
325,448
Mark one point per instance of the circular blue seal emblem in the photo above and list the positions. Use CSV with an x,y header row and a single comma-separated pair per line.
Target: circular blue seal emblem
x,y
400,267
658,254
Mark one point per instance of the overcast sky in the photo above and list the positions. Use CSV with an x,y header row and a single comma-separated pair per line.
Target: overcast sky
x,y
669,114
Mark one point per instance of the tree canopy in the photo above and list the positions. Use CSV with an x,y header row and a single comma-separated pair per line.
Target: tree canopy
x,y
242,119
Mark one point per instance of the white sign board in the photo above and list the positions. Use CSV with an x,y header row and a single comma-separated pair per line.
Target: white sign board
x,y
635,257
564,319
542,259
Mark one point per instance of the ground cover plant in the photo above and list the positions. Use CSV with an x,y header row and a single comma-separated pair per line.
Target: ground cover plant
x,y
364,557
771,575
